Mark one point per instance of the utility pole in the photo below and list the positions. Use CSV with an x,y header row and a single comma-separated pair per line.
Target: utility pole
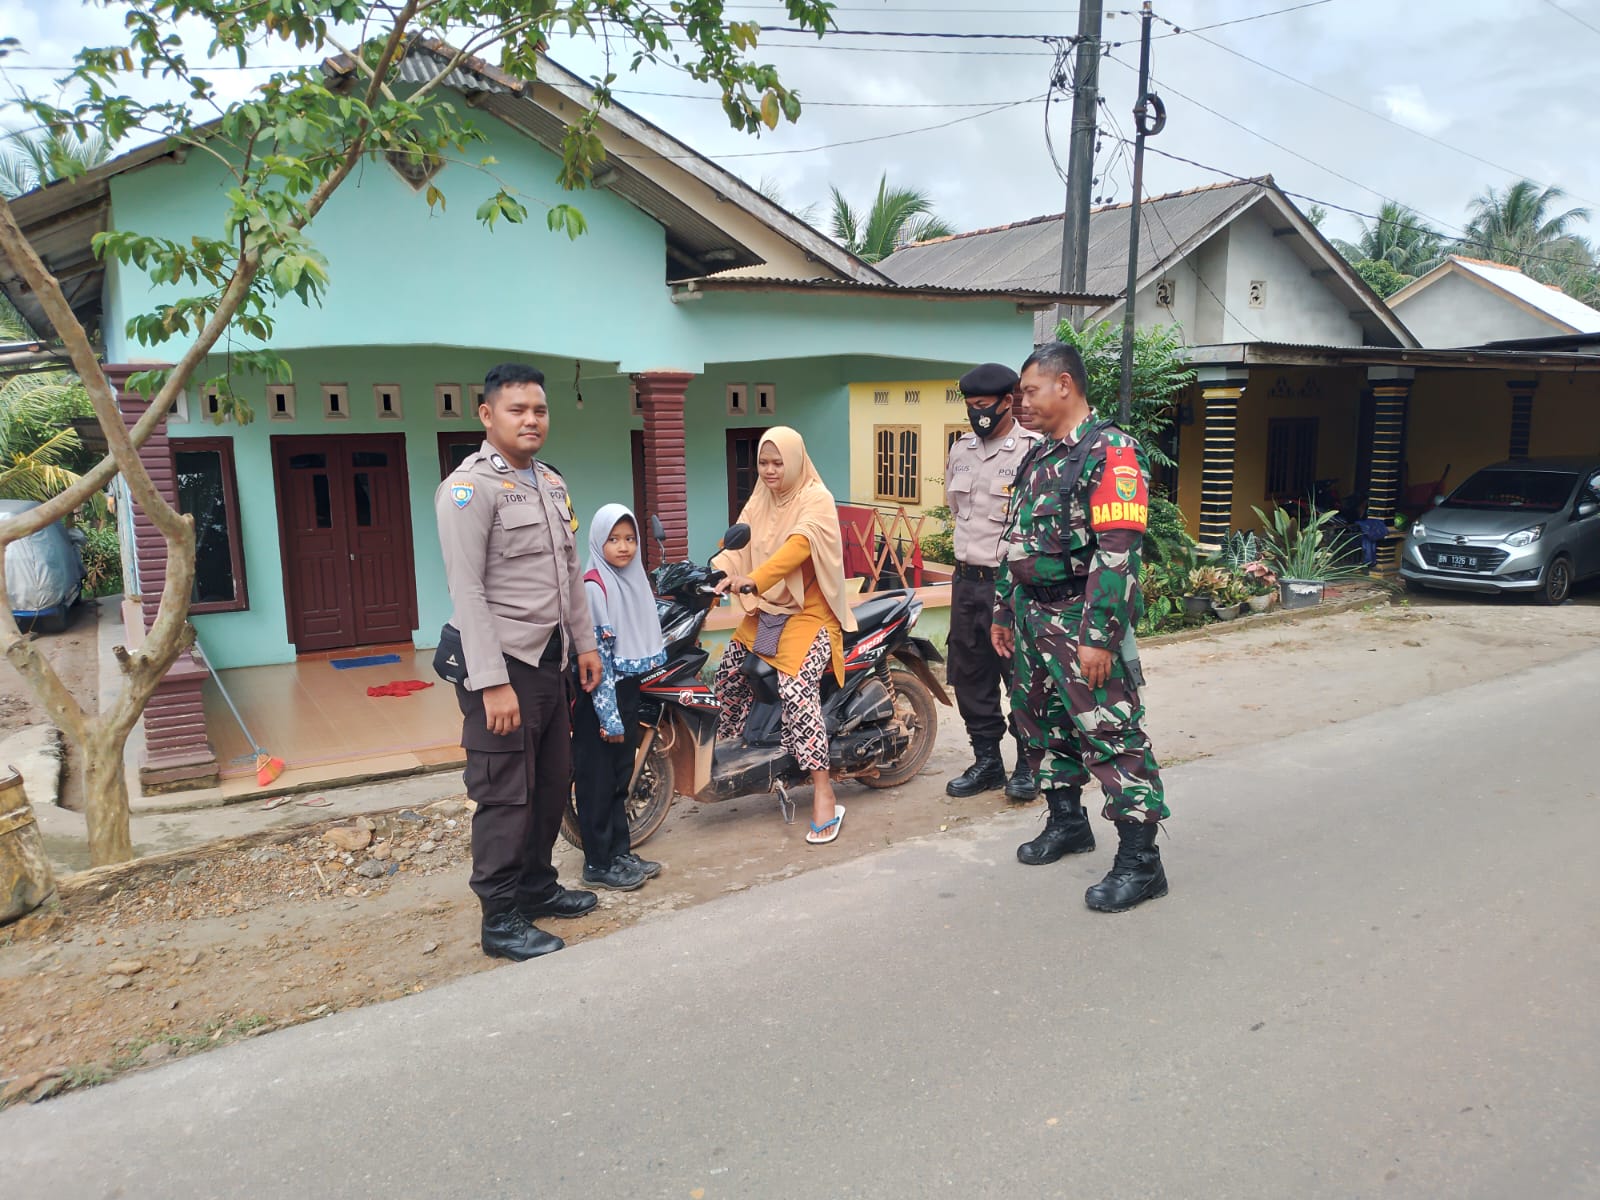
x,y
1080,155
1141,115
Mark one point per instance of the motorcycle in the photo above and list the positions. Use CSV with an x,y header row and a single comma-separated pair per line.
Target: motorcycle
x,y
881,721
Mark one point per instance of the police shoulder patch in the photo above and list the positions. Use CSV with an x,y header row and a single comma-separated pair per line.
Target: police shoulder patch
x,y
1121,499
461,494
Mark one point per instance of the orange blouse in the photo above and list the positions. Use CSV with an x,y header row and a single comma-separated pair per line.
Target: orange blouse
x,y
801,629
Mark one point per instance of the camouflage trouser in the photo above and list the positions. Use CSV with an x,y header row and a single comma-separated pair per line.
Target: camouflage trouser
x,y
1073,731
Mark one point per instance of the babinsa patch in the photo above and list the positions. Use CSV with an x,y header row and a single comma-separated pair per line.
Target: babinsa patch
x,y
1120,500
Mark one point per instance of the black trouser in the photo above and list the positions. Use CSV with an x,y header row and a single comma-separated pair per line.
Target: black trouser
x,y
520,783
974,670
602,772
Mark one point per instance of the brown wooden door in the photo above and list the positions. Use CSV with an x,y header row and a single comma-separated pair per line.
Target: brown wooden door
x,y
345,524
743,447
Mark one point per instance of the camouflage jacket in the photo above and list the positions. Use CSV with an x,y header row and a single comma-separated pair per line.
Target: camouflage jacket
x,y
1095,539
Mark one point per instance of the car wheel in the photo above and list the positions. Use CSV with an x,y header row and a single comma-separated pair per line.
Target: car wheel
x,y
1413,587
1557,582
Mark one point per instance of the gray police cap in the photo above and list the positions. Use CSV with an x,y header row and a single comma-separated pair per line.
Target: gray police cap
x,y
991,379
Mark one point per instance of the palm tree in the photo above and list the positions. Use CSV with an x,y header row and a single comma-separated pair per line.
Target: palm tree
x,y
897,218
30,160
1520,227
1399,237
39,449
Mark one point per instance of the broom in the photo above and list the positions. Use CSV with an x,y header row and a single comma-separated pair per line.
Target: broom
x,y
268,766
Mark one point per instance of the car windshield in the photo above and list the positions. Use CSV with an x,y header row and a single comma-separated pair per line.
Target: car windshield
x,y
1534,491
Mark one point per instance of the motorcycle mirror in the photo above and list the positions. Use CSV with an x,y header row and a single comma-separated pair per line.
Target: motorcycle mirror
x,y
658,531
737,537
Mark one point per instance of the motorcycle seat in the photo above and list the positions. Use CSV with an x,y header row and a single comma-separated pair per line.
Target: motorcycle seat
x,y
879,611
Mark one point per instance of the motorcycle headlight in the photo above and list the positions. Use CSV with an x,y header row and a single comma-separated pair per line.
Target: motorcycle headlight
x,y
1525,537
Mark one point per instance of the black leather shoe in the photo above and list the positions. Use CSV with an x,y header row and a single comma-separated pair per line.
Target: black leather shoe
x,y
1020,788
620,876
986,774
568,902
508,935
1137,874
650,869
1066,830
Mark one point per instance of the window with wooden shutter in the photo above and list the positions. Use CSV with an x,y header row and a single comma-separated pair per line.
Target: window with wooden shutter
x,y
898,463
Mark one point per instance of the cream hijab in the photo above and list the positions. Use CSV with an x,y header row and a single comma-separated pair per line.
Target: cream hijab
x,y
801,505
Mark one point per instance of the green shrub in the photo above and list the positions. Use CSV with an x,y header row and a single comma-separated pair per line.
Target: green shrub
x,y
941,546
102,560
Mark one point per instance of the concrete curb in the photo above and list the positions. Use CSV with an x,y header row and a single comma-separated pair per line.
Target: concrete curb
x,y
1280,616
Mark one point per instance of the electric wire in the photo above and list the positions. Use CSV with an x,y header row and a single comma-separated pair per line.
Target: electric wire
x,y
1470,243
1567,12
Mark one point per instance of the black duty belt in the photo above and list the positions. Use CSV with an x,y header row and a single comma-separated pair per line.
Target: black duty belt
x,y
977,574
1053,593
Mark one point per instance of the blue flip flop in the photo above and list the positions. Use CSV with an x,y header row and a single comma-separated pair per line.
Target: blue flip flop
x,y
821,835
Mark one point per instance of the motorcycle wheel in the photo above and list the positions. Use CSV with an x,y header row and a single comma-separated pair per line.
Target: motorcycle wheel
x,y
913,705
647,807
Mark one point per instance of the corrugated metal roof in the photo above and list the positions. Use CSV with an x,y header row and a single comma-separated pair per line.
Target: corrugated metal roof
x,y
750,283
420,65
1551,301
1028,254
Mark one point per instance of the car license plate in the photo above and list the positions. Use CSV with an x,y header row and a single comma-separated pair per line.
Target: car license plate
x,y
1467,561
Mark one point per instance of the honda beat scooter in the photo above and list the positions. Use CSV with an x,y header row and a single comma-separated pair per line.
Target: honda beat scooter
x,y
881,721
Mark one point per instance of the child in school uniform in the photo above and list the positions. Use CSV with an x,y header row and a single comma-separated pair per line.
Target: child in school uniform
x,y
605,722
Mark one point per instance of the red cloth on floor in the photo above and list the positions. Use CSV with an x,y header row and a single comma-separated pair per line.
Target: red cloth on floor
x,y
400,687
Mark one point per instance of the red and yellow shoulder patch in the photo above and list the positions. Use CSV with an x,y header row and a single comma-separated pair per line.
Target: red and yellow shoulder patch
x,y
1120,500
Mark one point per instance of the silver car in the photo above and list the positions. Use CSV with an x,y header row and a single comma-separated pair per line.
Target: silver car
x,y
1527,525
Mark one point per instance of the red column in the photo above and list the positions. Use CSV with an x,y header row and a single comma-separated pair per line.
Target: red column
x,y
666,471
178,754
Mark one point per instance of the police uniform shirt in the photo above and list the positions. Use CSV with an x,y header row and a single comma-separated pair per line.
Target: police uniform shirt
x,y
978,480
511,562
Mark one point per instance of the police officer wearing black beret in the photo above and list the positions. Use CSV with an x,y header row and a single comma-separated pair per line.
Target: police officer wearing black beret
x,y
978,479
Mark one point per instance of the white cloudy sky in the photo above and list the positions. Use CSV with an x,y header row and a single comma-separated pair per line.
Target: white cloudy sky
x,y
1504,87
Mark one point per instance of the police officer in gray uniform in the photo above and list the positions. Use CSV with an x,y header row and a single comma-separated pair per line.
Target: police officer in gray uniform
x,y
977,484
508,533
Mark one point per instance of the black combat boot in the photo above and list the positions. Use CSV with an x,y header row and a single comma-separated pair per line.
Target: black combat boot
x,y
1021,788
986,774
1135,876
1066,830
509,935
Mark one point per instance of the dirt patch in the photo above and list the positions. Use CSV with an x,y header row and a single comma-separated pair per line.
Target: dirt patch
x,y
256,940
75,655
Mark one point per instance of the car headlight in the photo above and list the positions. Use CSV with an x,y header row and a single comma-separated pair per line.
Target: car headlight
x,y
1419,530
1525,537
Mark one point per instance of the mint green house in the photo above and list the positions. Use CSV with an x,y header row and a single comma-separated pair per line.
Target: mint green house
x,y
693,314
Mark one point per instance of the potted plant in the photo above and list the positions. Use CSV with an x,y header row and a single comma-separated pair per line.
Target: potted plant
x,y
1305,556
1227,601
1204,585
1260,585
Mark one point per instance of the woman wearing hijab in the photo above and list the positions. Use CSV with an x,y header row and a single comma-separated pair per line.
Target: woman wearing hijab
x,y
796,619
605,722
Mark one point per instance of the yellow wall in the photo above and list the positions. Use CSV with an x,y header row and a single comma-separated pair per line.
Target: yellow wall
x,y
1459,419
1566,415
932,413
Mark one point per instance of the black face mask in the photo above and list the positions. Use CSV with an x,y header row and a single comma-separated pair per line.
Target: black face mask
x,y
985,421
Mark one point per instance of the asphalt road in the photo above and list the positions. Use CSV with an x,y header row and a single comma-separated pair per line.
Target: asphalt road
x,y
1376,976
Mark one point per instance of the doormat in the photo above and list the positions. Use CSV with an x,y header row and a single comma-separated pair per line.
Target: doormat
x,y
372,660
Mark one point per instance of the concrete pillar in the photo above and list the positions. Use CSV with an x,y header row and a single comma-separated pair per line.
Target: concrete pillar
x,y
1522,391
1222,396
178,753
666,471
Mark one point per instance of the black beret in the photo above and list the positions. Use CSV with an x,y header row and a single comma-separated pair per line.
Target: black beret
x,y
991,379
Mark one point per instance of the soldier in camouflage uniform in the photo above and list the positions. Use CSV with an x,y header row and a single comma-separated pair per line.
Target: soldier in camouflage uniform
x,y
1065,605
